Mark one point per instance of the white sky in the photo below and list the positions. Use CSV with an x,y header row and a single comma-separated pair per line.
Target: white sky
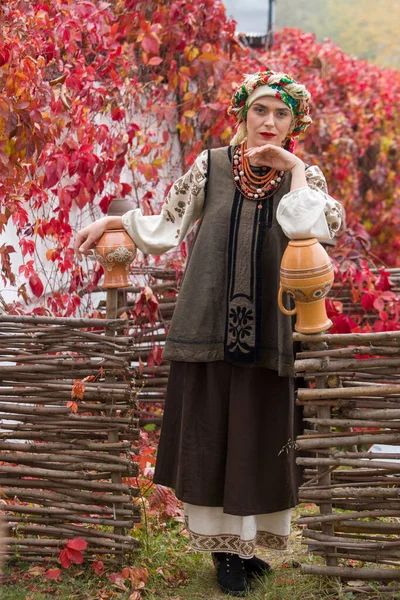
x,y
251,15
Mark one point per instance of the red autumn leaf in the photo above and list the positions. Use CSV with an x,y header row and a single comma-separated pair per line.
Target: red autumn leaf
x,y
150,360
164,499
53,573
383,283
36,285
5,261
118,581
156,60
388,295
4,56
344,324
27,246
77,544
333,308
105,202
78,389
113,577
367,300
157,353
3,219
143,574
150,44
64,558
102,133
378,304
137,576
51,177
98,567
75,556
118,114
125,189
146,170
380,326
20,218
73,406
82,197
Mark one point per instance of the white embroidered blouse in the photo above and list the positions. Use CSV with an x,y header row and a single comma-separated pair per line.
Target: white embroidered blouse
x,y
303,213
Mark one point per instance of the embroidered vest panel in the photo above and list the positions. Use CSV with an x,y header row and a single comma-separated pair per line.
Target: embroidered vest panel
x,y
227,306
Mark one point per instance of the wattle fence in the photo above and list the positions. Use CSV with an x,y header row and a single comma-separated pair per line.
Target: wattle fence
x,y
68,427
73,393
352,408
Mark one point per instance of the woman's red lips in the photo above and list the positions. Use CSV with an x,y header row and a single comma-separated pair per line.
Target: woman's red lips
x,y
268,135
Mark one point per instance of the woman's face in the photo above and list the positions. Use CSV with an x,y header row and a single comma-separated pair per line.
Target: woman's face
x,y
268,122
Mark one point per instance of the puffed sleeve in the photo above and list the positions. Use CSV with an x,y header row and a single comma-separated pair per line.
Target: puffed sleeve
x,y
310,211
183,206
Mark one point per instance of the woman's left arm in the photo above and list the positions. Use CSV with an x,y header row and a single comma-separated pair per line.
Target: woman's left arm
x,y
307,210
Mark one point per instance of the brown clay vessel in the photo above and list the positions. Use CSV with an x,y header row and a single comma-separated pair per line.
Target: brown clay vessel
x,y
307,275
115,251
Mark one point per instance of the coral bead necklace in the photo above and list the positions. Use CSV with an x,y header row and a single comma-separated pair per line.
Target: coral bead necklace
x,y
249,184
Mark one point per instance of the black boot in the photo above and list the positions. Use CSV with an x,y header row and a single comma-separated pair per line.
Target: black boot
x,y
231,574
255,567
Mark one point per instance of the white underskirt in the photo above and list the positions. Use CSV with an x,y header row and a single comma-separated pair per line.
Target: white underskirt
x,y
212,530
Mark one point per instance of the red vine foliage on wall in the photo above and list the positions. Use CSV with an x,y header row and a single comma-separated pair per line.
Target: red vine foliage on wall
x,y
115,99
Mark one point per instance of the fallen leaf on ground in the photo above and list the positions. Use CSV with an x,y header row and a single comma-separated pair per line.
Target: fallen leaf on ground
x,y
53,573
98,566
356,583
35,571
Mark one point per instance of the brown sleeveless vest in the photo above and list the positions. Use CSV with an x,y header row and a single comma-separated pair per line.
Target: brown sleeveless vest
x,y
227,306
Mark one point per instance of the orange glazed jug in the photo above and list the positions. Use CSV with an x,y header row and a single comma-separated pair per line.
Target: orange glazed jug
x,y
115,251
307,275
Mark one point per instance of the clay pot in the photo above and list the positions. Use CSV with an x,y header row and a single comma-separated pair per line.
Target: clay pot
x,y
307,275
120,206
115,251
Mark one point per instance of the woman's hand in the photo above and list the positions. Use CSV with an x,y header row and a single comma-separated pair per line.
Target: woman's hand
x,y
87,238
274,157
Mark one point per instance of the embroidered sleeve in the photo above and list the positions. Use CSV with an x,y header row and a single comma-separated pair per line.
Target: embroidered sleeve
x,y
183,206
310,211
315,179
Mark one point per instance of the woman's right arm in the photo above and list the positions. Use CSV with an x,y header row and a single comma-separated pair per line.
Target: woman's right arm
x,y
155,234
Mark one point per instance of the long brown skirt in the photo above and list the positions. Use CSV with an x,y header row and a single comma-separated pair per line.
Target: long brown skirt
x,y
227,438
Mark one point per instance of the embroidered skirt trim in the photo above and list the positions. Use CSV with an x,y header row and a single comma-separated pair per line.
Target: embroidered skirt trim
x,y
233,543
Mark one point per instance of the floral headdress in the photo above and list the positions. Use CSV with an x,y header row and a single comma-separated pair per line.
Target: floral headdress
x,y
293,94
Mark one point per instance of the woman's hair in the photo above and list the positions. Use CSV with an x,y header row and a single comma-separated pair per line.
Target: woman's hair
x,y
280,85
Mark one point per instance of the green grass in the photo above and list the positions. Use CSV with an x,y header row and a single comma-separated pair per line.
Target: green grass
x,y
177,573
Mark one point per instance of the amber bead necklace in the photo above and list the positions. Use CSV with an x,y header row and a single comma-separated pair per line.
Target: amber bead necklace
x,y
249,184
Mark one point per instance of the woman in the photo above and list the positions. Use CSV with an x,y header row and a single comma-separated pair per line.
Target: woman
x,y
230,418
